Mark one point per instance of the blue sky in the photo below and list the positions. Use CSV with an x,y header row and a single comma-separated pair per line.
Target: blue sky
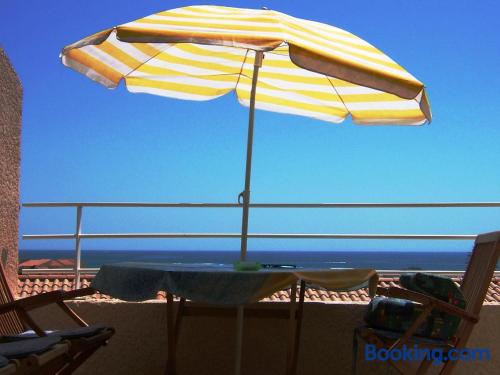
x,y
82,142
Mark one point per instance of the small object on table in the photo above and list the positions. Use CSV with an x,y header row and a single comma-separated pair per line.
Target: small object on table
x,y
245,265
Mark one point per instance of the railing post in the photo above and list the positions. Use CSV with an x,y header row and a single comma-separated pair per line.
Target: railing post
x,y
78,248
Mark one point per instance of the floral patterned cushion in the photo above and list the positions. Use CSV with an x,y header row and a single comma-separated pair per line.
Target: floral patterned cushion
x,y
440,287
398,314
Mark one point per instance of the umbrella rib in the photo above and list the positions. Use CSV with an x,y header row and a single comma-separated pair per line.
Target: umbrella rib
x,y
336,92
241,70
148,60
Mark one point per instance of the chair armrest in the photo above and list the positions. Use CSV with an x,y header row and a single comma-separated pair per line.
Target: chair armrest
x,y
424,299
43,299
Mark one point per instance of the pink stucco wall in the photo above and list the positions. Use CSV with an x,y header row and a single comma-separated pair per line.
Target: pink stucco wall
x,y
10,132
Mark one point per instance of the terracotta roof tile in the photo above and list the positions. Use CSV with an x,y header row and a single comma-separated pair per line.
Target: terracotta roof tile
x,y
47,263
66,262
30,285
33,263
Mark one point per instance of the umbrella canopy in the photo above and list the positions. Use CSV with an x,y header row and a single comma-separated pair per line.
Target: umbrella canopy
x,y
272,61
203,52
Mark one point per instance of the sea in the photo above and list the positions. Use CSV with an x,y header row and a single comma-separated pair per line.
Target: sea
x,y
380,260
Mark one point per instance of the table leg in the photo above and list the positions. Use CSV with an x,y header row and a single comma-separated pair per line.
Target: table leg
x,y
291,327
178,319
298,329
239,340
170,368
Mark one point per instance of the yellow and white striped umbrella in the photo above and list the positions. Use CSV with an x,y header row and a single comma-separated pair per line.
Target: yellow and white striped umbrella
x,y
271,60
203,52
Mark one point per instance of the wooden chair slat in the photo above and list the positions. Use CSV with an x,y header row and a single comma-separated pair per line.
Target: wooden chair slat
x,y
10,322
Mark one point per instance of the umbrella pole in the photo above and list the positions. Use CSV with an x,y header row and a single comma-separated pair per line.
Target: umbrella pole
x,y
248,169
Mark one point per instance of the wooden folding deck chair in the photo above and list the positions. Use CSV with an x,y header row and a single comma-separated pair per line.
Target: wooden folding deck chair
x,y
474,286
15,323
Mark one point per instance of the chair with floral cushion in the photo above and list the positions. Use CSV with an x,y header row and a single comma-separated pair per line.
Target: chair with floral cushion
x,y
431,311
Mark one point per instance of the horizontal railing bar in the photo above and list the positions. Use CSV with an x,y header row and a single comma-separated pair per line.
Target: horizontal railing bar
x,y
375,205
48,236
264,205
380,272
130,204
257,235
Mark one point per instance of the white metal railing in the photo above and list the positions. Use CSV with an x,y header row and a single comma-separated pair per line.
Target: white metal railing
x,y
78,235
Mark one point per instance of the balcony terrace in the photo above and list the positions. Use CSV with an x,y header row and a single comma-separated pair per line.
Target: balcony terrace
x,y
206,345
